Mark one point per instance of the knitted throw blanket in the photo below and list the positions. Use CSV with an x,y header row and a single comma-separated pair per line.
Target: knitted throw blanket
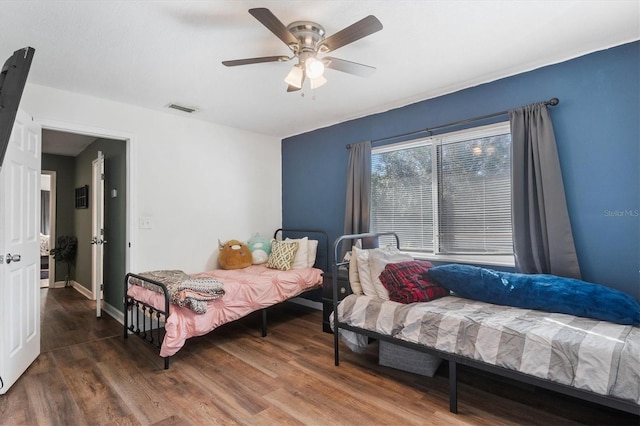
x,y
184,290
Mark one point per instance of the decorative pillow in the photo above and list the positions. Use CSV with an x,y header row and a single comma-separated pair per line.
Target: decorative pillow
x,y
538,291
408,282
378,259
302,255
354,276
282,255
260,249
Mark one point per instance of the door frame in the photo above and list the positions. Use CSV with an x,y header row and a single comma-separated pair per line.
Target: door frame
x,y
97,229
130,208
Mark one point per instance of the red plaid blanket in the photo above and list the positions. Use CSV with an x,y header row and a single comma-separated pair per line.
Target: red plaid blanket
x,y
408,282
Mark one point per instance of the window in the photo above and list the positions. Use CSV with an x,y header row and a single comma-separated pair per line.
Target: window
x,y
446,195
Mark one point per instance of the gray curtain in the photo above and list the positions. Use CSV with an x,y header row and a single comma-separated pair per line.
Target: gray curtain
x,y
358,205
542,237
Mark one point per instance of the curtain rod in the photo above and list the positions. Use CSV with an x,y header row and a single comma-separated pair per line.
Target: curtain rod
x,y
551,102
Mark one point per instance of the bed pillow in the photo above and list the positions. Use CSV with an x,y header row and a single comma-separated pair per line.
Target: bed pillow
x,y
538,291
408,282
301,259
354,276
364,275
312,249
282,255
378,259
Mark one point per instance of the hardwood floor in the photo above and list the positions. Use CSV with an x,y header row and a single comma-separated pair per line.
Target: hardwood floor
x,y
88,374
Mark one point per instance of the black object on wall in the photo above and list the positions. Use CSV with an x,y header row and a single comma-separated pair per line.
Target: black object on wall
x,y
82,197
12,80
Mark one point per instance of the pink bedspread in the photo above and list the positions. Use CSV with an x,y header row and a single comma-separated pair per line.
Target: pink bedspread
x,y
246,290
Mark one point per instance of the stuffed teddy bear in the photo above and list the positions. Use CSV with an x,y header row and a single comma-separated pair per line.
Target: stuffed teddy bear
x,y
234,255
260,249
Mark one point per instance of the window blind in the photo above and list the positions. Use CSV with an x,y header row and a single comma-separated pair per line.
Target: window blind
x,y
446,195
474,196
402,199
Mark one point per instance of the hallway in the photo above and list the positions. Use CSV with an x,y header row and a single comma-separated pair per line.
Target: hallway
x,y
69,318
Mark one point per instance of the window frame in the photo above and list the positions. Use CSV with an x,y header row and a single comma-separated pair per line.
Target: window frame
x,y
436,141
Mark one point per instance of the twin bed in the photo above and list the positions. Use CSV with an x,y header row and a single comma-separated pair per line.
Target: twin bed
x,y
153,311
591,359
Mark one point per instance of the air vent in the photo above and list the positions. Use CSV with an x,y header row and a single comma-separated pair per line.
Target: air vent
x,y
182,108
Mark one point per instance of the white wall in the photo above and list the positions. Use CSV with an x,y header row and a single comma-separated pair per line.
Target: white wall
x,y
196,181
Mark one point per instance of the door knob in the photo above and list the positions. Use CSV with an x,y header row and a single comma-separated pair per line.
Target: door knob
x,y
94,240
14,258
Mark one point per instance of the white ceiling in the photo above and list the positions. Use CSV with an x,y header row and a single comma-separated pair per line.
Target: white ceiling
x,y
152,53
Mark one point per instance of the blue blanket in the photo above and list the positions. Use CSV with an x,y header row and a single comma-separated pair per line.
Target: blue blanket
x,y
538,291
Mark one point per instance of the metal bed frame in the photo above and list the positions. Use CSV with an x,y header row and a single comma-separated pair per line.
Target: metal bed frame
x,y
454,359
147,322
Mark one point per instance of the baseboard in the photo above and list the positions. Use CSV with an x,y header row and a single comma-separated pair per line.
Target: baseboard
x,y
58,284
113,312
82,290
76,285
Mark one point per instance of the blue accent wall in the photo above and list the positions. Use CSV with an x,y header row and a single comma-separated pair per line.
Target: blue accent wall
x,y
597,129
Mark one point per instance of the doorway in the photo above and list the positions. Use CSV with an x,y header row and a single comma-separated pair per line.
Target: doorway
x,y
70,152
47,227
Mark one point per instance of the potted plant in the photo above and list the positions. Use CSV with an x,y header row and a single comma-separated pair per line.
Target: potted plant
x,y
65,251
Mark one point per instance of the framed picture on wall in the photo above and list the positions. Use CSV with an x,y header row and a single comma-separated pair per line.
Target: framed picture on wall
x,y
82,197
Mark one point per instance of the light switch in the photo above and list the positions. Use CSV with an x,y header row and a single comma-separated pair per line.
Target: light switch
x,y
145,223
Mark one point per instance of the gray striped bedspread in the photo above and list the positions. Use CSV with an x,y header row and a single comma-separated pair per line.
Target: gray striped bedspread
x,y
583,353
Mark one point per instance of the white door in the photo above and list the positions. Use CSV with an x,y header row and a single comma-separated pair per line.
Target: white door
x,y
20,251
97,240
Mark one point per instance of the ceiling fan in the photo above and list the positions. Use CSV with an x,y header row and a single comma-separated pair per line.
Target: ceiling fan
x,y
307,42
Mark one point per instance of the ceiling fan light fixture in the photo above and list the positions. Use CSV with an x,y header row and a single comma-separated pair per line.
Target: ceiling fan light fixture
x,y
314,68
295,76
317,82
307,40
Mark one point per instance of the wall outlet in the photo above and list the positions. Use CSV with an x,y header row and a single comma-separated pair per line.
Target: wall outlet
x,y
145,223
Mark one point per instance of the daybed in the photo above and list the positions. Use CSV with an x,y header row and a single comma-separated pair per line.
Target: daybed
x,y
592,359
166,318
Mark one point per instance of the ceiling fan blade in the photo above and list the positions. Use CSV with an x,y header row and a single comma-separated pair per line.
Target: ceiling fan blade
x,y
348,66
270,21
248,61
360,29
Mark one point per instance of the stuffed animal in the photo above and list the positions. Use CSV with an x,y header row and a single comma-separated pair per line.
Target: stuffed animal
x,y
260,249
234,255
